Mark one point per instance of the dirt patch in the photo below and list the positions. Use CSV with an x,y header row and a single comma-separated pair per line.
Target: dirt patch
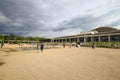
x,y
9,50
1,63
6,55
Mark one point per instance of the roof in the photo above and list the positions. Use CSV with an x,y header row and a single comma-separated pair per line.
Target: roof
x,y
99,33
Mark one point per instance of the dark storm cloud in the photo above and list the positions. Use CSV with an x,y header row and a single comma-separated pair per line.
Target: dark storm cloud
x,y
53,18
19,17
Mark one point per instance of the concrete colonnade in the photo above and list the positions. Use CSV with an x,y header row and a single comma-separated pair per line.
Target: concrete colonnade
x,y
99,38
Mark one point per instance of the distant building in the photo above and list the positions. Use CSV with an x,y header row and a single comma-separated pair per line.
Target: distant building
x,y
91,36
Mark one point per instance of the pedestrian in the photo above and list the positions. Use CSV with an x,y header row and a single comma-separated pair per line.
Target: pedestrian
x,y
42,47
93,46
70,45
2,44
63,45
38,46
78,45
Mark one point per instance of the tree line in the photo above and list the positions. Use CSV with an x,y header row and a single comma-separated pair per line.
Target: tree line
x,y
15,37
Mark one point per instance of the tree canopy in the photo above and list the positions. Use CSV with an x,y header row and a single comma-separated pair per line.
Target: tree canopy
x,y
15,37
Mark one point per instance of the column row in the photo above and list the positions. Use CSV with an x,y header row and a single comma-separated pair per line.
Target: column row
x,y
90,39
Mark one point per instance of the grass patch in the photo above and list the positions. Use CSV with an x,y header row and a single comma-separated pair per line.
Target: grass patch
x,y
103,44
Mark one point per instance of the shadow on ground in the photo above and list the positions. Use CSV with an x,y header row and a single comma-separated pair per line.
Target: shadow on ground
x,y
9,50
1,63
34,48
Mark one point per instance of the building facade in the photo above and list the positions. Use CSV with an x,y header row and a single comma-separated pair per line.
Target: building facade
x,y
92,36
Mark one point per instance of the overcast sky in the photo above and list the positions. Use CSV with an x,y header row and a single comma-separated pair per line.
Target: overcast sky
x,y
54,18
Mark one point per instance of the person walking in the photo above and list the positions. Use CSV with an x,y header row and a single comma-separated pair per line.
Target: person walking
x,y
63,45
41,47
2,43
38,46
78,44
93,46
70,45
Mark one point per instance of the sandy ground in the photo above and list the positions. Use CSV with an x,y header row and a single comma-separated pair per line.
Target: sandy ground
x,y
59,64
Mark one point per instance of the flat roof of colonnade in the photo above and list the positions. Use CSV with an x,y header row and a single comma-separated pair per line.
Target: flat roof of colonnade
x,y
90,34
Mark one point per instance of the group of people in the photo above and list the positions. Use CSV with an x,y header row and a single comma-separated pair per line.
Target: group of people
x,y
70,45
40,46
78,45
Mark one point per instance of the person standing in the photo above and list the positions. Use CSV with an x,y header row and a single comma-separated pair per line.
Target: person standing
x,y
78,44
42,47
70,45
2,43
38,46
93,46
63,45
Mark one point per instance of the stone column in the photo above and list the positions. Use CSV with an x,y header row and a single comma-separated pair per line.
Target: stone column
x,y
99,38
66,40
8,42
92,39
78,39
109,38
73,39
84,39
62,40
69,39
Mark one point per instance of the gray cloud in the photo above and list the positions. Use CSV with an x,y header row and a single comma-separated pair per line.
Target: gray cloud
x,y
20,17
88,22
53,18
